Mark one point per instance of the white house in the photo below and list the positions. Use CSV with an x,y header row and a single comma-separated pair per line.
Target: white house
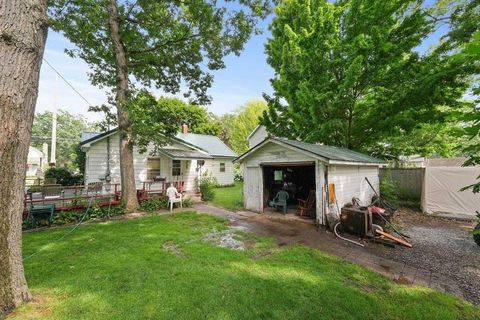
x,y
35,161
187,157
274,163
256,136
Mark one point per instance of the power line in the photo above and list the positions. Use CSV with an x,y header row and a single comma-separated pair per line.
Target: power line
x,y
69,84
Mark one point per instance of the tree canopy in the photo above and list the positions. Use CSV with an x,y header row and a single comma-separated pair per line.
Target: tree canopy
x,y
172,45
351,73
155,120
246,118
69,129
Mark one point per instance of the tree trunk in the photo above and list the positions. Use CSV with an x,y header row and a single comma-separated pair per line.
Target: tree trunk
x,y
129,192
23,32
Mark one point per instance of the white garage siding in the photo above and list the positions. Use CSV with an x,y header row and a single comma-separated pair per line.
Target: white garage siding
x,y
350,182
270,154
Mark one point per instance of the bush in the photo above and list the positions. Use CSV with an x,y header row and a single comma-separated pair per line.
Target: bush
x,y
152,205
187,202
63,176
388,189
238,174
207,185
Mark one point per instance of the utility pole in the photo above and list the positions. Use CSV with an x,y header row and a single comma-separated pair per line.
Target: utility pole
x,y
53,148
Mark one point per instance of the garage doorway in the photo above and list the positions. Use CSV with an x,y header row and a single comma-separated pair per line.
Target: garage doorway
x,y
297,179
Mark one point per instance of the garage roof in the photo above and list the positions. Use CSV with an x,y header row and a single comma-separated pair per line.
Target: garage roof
x,y
327,153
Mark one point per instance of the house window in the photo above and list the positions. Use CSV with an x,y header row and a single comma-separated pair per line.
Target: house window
x,y
153,168
222,166
176,168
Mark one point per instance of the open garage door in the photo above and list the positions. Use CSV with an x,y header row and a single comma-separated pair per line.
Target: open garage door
x,y
296,179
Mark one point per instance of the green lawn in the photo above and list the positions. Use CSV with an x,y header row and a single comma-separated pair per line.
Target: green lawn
x,y
229,197
160,267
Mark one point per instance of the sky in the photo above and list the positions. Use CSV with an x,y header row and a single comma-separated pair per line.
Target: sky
x,y
245,77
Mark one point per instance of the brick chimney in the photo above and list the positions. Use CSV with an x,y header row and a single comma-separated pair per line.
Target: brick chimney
x,y
184,128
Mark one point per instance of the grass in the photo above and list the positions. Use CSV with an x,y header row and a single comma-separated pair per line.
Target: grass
x,y
230,198
159,267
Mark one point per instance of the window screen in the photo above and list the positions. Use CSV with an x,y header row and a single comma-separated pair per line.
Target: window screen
x,y
222,166
153,168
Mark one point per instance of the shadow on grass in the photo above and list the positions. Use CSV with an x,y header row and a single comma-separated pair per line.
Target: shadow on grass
x,y
122,271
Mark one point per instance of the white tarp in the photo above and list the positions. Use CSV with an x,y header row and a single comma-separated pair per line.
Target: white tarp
x,y
441,191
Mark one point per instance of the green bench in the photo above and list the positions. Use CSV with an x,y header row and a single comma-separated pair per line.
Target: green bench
x,y
39,212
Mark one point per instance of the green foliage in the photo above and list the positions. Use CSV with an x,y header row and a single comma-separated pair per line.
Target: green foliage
x,y
388,189
246,119
348,73
152,205
34,189
69,129
127,270
104,212
207,185
66,217
471,54
63,176
169,44
157,121
187,203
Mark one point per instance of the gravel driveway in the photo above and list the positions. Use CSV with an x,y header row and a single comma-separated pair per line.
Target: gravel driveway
x,y
444,247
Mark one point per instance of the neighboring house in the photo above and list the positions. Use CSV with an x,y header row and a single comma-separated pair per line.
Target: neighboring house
x,y
35,162
185,159
258,135
301,167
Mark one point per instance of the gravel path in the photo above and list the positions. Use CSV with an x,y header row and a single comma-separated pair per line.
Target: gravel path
x,y
444,247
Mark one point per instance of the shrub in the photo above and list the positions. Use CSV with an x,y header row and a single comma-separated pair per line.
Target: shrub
x,y
238,173
207,185
388,190
152,205
187,202
63,176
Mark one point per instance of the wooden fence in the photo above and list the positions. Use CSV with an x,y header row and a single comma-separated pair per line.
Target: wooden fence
x,y
409,181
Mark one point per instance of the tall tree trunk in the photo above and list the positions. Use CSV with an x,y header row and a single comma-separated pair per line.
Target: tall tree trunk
x,y
129,192
23,32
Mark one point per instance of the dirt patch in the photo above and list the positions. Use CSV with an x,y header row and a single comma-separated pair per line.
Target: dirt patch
x,y
403,280
172,248
261,255
225,239
249,244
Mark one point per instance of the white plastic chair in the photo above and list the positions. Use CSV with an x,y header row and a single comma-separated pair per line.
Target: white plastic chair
x,y
172,198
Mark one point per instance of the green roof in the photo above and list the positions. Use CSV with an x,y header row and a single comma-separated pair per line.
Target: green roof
x,y
329,153
211,144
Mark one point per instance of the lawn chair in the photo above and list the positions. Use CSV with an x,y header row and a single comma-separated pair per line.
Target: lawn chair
x,y
174,197
305,206
280,200
51,192
39,212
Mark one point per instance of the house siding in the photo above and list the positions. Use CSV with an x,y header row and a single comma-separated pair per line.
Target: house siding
x,y
96,165
350,182
258,136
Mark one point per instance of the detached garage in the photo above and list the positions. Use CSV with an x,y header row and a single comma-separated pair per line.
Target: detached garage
x,y
301,169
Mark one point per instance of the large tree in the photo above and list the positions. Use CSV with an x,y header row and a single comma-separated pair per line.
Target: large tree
x,y
23,32
155,121
351,73
247,118
163,43
69,129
